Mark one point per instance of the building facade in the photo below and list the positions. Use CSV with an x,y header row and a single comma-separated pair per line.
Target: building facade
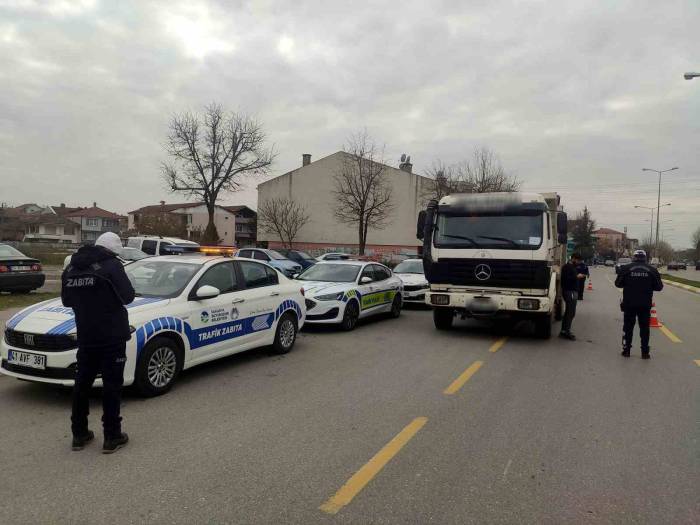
x,y
246,225
312,185
95,221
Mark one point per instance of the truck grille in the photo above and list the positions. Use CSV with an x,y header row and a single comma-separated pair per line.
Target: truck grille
x,y
504,273
43,342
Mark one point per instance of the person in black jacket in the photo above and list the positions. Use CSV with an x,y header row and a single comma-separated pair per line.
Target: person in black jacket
x,y
96,287
638,281
582,269
569,290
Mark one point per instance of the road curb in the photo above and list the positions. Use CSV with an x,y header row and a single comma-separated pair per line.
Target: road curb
x,y
681,285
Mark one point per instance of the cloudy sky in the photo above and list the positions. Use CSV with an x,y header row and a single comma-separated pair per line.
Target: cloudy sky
x,y
574,96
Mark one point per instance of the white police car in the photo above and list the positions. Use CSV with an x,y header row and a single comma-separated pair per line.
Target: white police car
x,y
415,285
189,309
341,292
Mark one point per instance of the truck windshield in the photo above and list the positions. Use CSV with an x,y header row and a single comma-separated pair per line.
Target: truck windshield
x,y
519,232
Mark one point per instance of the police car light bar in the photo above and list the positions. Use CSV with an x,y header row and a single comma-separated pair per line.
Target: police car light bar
x,y
226,251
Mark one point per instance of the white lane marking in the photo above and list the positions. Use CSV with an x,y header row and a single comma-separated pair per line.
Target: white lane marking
x,y
505,472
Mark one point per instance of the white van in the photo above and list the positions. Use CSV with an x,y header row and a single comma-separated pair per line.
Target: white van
x,y
155,244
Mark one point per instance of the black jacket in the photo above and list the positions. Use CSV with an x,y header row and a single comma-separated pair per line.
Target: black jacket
x,y
96,287
639,281
582,267
569,281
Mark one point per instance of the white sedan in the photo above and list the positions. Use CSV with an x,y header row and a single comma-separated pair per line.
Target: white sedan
x,y
415,285
341,292
189,309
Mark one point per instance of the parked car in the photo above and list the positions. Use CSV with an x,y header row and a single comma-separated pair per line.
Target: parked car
x,y
415,285
125,255
19,273
609,262
303,258
334,257
156,245
655,262
341,292
697,265
622,261
188,310
677,265
273,258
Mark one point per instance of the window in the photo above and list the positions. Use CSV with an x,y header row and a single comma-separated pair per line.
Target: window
x,y
49,229
90,222
260,256
149,247
246,253
220,277
256,275
163,248
188,218
68,230
381,273
368,272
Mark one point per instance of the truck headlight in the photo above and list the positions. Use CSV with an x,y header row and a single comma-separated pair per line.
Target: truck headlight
x,y
440,299
529,304
330,297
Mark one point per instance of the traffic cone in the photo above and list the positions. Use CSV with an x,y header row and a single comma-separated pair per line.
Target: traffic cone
x,y
590,285
653,320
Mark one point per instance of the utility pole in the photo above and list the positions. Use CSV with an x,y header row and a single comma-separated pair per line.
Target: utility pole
x,y
658,206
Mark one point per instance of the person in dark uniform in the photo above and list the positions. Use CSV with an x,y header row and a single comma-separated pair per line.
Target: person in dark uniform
x,y
638,281
569,289
96,287
582,269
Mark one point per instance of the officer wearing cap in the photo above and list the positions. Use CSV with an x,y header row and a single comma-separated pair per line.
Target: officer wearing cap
x,y
638,281
96,287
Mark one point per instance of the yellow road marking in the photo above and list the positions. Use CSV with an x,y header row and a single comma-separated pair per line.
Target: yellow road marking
x,y
495,347
357,482
463,378
673,337
697,362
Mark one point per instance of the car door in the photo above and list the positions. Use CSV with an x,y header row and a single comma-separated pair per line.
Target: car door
x,y
367,299
259,298
386,287
214,322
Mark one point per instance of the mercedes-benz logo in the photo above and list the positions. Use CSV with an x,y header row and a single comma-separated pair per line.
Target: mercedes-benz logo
x,y
29,339
482,272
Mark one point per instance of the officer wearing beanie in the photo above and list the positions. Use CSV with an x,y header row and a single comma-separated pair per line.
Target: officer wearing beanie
x,y
638,281
96,287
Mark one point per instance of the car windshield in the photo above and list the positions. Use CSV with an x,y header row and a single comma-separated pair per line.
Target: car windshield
x,y
409,267
334,273
305,255
515,232
155,278
9,251
132,254
275,255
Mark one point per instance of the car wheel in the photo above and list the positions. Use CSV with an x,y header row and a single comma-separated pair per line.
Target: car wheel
x,y
443,318
286,334
396,307
158,367
350,316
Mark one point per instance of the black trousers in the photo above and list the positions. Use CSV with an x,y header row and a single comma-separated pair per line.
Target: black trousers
x,y
631,315
570,297
581,288
108,361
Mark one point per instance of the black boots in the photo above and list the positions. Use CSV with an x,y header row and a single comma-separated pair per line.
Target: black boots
x,y
625,351
567,335
113,444
79,442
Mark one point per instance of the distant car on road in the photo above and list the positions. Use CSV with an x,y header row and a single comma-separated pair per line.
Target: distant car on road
x,y
415,285
655,262
622,261
697,265
303,258
273,258
676,265
334,257
609,262
19,273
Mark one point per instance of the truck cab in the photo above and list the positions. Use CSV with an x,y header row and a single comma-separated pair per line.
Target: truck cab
x,y
494,255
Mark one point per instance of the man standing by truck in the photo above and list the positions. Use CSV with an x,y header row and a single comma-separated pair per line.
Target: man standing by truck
x,y
582,268
569,288
638,281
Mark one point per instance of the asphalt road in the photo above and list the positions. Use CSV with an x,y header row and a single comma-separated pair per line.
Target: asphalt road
x,y
539,432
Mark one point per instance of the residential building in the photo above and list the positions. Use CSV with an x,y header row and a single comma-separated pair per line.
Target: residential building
x,y
610,241
95,221
187,219
51,228
312,185
246,225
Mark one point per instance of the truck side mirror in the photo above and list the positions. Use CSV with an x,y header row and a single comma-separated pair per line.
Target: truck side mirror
x,y
420,227
562,227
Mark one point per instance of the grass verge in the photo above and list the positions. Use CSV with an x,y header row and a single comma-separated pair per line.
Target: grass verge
x,y
681,280
21,300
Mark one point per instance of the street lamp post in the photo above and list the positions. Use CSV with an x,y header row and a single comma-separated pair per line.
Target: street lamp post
x,y
651,222
691,76
658,205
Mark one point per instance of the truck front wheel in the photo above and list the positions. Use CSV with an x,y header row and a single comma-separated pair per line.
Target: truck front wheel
x,y
443,317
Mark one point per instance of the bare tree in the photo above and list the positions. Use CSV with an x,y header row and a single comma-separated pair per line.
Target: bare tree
x,y
211,153
442,180
283,217
362,192
696,244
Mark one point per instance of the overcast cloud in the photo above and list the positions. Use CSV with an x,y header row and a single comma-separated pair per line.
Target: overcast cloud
x,y
574,96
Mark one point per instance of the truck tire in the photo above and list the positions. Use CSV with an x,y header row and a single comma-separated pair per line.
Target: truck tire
x,y
443,317
543,326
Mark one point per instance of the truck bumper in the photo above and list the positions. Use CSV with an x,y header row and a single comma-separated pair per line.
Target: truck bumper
x,y
473,304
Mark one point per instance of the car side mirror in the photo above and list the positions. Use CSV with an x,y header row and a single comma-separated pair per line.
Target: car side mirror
x,y
420,226
365,280
206,292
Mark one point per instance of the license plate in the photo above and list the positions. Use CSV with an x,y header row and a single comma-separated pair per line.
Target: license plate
x,y
26,359
21,268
